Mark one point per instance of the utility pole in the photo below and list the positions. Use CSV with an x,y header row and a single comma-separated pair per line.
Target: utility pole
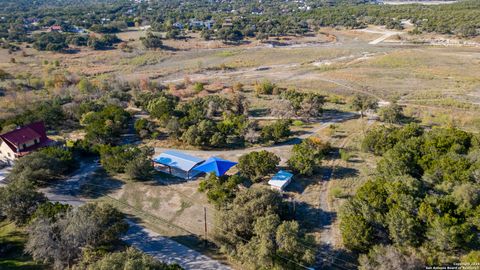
x,y
205,221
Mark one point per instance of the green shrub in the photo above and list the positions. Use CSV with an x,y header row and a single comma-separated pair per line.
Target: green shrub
x,y
256,165
265,87
344,155
277,131
306,156
336,192
198,87
298,123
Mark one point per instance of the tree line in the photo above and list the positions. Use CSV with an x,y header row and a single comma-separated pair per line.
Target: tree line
x,y
422,207
211,121
234,20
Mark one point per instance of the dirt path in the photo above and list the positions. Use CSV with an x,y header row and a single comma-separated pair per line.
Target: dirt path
x,y
68,191
244,72
386,34
326,252
352,88
280,72
281,150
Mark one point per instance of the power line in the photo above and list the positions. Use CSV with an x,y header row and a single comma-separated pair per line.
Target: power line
x,y
182,226
308,246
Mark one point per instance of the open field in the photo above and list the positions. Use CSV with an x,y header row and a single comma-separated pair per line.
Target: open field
x,y
332,62
171,200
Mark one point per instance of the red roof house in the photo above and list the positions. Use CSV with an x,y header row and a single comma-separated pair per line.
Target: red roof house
x,y
22,141
55,28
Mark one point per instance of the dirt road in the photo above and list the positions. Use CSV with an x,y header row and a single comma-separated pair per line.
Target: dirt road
x,y
386,34
67,191
326,252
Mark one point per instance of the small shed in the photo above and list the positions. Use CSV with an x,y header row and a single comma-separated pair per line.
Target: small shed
x,y
177,163
281,180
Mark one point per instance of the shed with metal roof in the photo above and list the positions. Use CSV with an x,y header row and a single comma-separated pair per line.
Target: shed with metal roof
x,y
178,163
281,180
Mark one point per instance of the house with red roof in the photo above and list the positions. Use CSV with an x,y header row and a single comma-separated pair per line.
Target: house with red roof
x,y
55,28
22,141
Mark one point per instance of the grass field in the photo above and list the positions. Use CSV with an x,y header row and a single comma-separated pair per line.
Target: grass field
x,y
12,241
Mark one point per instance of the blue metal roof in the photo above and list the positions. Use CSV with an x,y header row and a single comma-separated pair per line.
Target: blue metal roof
x,y
178,160
216,165
282,176
281,179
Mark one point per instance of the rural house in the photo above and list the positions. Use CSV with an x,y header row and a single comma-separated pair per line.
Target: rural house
x,y
22,141
55,28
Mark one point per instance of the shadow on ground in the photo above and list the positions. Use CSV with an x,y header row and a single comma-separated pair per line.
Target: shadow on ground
x,y
98,185
329,258
259,112
300,184
165,179
310,217
12,255
344,172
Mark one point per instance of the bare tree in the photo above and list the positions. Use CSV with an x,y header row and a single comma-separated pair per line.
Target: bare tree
x,y
240,104
311,106
282,109
389,257
60,242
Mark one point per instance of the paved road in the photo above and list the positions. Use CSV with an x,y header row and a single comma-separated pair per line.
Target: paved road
x,y
161,248
168,250
67,191
3,174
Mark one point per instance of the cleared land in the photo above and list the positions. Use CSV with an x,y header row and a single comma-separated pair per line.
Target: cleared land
x,y
436,84
401,67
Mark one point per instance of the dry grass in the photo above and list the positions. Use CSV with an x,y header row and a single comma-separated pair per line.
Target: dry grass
x,y
178,202
418,75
